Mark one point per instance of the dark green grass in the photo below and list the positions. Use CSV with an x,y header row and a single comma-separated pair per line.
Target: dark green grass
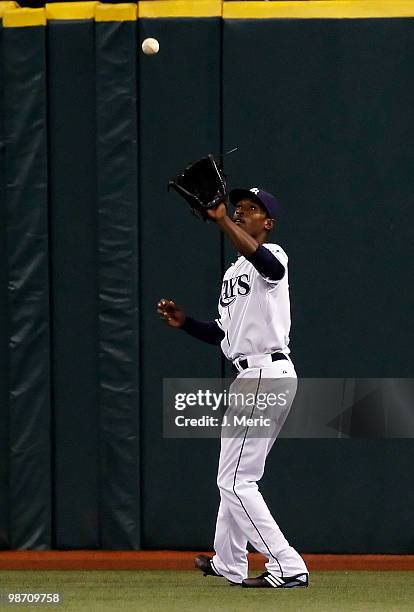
x,y
190,591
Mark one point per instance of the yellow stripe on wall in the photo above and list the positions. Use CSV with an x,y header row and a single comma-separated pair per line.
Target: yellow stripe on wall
x,y
71,10
7,6
24,17
322,9
116,12
180,8
314,9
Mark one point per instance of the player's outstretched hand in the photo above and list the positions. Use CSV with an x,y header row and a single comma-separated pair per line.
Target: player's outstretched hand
x,y
171,313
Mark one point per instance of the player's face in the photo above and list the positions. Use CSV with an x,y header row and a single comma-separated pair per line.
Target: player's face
x,y
251,217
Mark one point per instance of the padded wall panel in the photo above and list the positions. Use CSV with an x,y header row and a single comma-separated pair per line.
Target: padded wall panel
x,y
26,200
4,393
116,106
71,91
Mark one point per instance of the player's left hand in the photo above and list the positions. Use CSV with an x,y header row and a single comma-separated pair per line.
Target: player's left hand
x,y
171,313
217,213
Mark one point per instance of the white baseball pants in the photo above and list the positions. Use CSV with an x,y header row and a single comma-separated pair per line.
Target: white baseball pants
x,y
243,515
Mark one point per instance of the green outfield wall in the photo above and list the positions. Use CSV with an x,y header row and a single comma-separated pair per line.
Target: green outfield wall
x,y
319,101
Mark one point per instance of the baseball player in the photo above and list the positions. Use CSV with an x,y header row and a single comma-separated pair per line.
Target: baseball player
x,y
253,330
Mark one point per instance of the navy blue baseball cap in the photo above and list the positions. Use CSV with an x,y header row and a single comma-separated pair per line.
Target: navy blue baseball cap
x,y
265,199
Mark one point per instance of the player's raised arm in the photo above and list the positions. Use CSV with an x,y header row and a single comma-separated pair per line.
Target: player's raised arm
x,y
173,315
248,230
244,243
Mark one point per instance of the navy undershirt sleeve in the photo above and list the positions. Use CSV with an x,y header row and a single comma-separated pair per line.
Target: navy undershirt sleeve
x,y
267,264
207,331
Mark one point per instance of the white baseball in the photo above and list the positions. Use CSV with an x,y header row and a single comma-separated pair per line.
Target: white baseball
x,y
150,46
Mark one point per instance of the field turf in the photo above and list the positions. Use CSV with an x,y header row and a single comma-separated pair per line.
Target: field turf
x,y
173,591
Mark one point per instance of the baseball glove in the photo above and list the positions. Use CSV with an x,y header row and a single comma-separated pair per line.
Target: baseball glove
x,y
202,184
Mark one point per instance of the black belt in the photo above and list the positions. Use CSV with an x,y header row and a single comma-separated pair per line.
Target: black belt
x,y
275,357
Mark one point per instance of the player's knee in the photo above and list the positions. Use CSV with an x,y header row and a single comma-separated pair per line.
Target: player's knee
x,y
240,489
243,489
225,483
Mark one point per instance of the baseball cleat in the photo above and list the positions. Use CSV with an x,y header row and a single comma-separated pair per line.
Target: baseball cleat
x,y
203,563
268,581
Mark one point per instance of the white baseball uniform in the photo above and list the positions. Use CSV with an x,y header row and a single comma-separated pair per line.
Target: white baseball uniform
x,y
255,318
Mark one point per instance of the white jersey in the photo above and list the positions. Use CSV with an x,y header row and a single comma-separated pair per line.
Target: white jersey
x,y
254,312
